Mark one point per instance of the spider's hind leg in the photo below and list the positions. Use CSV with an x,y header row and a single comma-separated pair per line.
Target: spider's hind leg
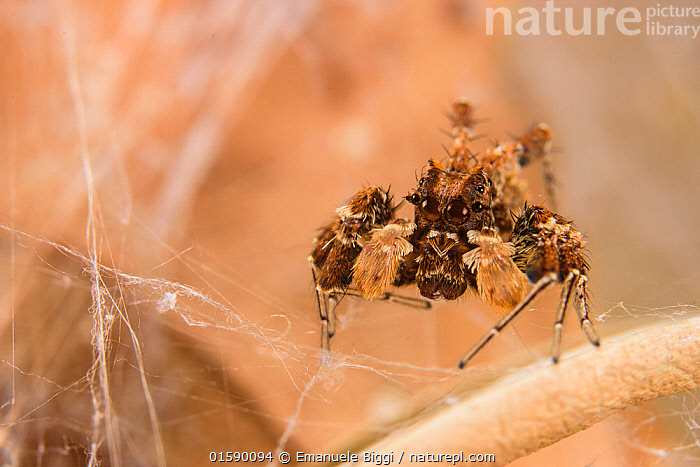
x,y
537,144
542,284
559,319
575,280
547,249
582,310
325,303
545,242
338,245
420,303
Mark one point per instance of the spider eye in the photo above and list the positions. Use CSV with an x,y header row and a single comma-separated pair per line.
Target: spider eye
x,y
477,207
480,189
456,212
414,198
430,208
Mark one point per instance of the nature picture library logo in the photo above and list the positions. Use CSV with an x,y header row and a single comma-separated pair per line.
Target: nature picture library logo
x,y
658,20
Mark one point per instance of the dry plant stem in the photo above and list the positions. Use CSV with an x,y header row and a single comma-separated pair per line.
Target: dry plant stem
x,y
522,413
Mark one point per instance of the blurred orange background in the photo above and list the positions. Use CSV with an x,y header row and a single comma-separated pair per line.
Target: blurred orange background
x,y
215,138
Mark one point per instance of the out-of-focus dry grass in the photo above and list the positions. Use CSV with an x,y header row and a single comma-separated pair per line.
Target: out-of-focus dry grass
x,y
220,135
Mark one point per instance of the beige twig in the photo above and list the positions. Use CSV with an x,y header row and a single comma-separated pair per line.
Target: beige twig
x,y
522,413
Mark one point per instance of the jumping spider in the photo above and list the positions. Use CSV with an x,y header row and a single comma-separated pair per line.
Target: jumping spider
x,y
464,236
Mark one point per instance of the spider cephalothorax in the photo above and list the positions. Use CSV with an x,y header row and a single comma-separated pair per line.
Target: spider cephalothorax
x,y
448,204
463,236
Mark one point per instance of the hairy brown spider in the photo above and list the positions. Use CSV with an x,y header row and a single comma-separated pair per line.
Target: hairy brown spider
x,y
464,236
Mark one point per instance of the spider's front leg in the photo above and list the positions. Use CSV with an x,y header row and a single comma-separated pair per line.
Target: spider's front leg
x,y
547,249
338,246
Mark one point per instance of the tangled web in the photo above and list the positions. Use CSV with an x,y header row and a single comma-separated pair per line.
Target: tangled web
x,y
156,301
135,394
